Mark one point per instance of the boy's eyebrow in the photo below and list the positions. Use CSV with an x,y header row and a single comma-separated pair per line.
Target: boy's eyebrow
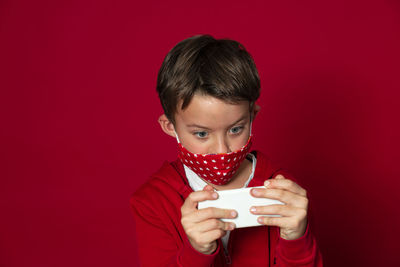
x,y
197,126
203,127
239,120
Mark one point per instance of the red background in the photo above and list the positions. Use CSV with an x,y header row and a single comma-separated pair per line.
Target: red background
x,y
79,113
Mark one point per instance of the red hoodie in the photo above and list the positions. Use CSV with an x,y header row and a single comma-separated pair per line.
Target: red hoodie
x,y
162,241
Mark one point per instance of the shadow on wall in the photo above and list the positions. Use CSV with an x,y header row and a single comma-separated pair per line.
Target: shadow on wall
x,y
327,122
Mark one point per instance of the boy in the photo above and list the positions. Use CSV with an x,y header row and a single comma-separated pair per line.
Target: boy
x,y
208,89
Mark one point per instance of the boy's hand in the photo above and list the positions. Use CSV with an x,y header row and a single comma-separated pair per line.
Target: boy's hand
x,y
294,214
203,227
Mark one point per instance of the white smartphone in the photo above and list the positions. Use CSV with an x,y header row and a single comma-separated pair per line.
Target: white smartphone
x,y
240,200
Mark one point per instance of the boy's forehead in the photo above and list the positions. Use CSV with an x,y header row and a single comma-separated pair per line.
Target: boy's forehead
x,y
210,111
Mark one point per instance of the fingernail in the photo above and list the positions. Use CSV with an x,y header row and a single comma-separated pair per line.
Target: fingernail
x,y
233,213
260,220
256,192
214,195
232,226
253,209
266,183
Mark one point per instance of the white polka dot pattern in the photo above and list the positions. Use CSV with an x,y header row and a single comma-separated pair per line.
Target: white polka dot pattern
x,y
217,169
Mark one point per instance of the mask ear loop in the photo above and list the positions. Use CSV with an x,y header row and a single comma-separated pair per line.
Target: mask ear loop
x,y
251,123
177,138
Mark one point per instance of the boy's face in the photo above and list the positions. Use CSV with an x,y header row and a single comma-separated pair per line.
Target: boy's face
x,y
209,125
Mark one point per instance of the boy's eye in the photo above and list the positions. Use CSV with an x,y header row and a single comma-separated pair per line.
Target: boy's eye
x,y
201,134
236,130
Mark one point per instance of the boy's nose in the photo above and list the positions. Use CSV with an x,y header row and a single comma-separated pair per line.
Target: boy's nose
x,y
222,146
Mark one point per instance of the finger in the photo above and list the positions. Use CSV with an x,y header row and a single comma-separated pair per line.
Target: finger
x,y
211,236
213,213
213,224
283,210
208,188
290,227
190,204
282,222
279,176
285,184
284,196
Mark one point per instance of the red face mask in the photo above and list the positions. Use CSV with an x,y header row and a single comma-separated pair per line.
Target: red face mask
x,y
216,169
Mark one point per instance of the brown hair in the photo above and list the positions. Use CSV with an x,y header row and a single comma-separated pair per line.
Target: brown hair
x,y
202,64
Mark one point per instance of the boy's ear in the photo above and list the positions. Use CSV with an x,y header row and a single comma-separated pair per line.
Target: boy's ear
x,y
256,109
166,125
